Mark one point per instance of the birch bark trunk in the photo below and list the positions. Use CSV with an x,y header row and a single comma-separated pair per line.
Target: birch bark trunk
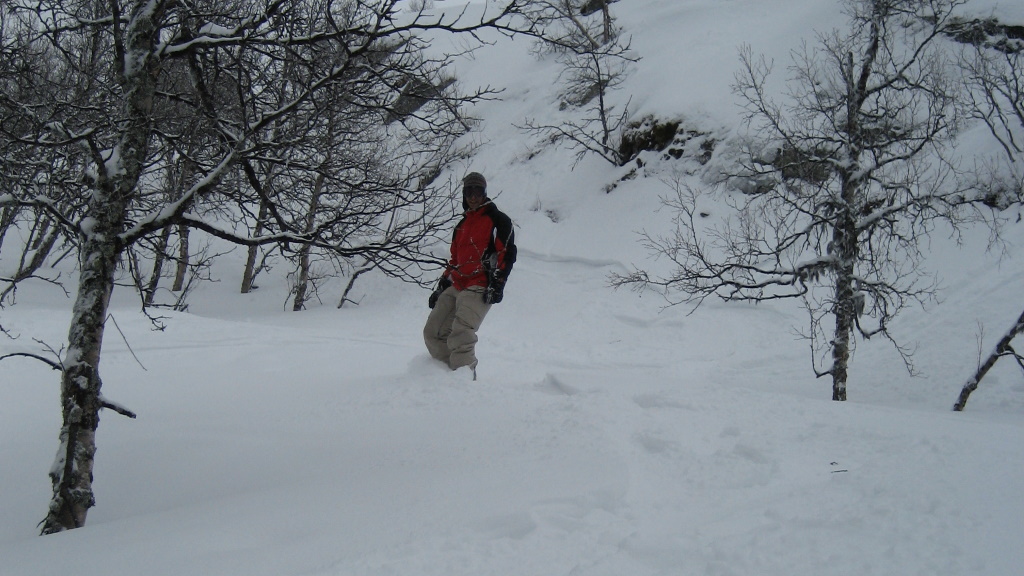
x,y
182,267
116,183
302,274
1003,348
249,273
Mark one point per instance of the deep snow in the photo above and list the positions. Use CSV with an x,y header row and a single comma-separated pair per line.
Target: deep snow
x,y
607,435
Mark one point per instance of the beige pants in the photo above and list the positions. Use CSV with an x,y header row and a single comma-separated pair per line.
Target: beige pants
x,y
450,332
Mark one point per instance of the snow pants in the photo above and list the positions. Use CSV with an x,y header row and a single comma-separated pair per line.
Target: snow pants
x,y
450,331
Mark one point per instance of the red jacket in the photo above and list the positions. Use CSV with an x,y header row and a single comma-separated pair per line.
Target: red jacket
x,y
479,234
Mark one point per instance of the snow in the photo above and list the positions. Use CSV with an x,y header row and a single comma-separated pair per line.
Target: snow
x,y
211,29
607,434
88,225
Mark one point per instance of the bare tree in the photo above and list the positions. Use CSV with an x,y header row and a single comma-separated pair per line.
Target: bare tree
x,y
993,67
835,213
41,240
253,269
1003,349
41,174
125,85
595,60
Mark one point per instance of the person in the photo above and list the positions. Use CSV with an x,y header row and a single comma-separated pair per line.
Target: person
x,y
483,251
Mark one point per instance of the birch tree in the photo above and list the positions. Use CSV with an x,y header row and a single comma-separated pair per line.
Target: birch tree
x,y
123,84
1003,349
842,179
993,68
596,60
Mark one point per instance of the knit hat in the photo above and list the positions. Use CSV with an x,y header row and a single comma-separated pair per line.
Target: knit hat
x,y
475,179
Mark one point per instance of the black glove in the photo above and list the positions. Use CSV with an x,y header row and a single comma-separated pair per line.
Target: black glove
x,y
442,285
495,291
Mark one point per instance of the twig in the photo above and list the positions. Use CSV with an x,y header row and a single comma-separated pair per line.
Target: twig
x,y
116,408
114,320
55,365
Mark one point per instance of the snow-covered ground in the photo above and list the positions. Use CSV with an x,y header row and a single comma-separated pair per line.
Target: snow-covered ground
x,y
607,435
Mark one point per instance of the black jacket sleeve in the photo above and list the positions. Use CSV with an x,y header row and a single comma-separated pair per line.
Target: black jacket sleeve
x,y
504,242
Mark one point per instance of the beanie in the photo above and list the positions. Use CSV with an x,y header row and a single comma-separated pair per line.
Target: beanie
x,y
475,179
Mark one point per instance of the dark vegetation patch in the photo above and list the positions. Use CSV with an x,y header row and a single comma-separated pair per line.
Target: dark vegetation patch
x,y
414,95
989,32
809,166
669,137
594,6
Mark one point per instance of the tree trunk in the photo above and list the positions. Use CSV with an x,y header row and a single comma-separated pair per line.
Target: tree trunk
x,y
1002,348
113,191
301,280
159,257
845,314
44,229
6,219
249,274
182,270
40,248
845,251
845,247
302,276
71,473
606,19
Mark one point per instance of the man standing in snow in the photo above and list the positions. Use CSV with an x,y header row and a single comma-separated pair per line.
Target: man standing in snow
x,y
482,253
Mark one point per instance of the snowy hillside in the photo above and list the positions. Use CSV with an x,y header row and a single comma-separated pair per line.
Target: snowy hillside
x,y
607,434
